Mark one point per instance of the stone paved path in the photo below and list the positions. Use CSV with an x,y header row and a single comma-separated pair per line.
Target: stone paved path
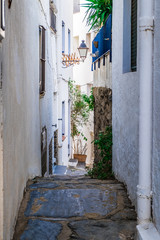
x,y
75,207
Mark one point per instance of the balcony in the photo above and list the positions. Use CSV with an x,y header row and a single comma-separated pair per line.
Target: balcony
x,y
102,43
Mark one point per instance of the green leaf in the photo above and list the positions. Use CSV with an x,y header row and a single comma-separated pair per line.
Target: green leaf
x,y
97,12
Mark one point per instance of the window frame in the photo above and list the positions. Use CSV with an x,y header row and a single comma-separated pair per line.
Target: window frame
x,y
63,118
3,15
53,19
133,35
63,37
69,41
76,6
42,59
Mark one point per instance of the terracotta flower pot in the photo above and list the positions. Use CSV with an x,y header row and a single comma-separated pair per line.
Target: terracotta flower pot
x,y
80,157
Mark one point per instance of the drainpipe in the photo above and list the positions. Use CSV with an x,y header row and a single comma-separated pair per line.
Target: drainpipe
x,y
145,121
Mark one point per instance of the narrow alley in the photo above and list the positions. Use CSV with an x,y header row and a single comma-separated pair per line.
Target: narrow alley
x,y
75,207
80,119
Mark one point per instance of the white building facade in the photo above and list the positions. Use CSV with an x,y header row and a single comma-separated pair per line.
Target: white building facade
x,y
32,92
64,45
136,103
82,74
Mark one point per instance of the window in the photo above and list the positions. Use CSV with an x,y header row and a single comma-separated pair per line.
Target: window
x,y
69,42
75,43
63,37
88,41
134,35
2,15
42,60
44,150
129,35
63,118
69,127
53,20
76,6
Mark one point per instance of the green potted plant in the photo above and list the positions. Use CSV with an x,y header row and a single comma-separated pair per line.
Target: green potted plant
x,y
81,105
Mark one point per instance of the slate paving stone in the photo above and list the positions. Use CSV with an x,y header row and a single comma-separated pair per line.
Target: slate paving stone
x,y
70,202
44,185
102,230
41,230
126,214
75,207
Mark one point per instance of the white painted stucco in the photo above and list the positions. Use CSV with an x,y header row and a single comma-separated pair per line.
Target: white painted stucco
x,y
1,167
64,74
126,114
156,118
25,113
103,76
21,133
125,105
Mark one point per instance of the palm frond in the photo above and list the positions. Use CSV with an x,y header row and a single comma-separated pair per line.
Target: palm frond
x,y
97,12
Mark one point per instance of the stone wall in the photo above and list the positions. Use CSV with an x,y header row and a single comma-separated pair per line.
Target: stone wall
x,y
102,113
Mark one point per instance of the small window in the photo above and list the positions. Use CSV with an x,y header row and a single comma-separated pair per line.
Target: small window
x,y
88,41
69,42
63,118
42,60
53,20
69,127
134,35
63,37
75,43
76,6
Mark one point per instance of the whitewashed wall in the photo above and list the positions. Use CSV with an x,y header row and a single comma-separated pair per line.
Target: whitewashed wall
x,y
65,9
24,112
103,76
156,119
125,88
46,104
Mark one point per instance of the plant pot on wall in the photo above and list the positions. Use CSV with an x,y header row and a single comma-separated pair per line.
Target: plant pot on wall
x,y
80,157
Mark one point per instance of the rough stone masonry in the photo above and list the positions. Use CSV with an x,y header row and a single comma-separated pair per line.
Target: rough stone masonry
x,y
102,114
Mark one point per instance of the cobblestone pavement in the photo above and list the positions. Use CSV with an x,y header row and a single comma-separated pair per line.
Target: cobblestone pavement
x,y
75,207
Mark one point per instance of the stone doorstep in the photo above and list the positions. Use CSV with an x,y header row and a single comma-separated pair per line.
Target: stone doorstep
x,y
147,232
73,163
39,229
60,170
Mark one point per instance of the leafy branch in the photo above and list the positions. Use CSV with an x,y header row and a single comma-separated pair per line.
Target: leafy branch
x,y
97,12
103,169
